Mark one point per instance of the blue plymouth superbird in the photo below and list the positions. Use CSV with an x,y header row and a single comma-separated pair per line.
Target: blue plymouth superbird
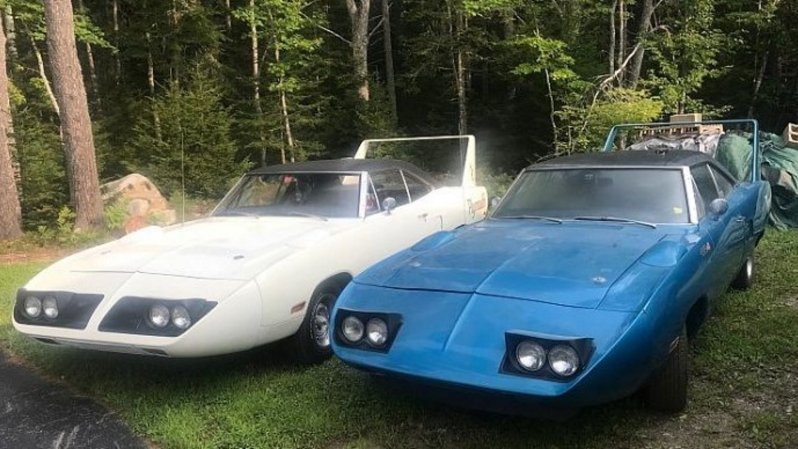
x,y
582,287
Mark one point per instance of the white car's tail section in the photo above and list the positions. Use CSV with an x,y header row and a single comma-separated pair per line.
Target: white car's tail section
x,y
469,165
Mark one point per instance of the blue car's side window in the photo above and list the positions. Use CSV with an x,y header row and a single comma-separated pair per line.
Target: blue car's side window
x,y
705,183
725,186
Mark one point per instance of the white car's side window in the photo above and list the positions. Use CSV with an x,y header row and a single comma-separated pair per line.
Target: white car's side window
x,y
389,183
415,186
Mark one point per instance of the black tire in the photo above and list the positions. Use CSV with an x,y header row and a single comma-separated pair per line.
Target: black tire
x,y
745,277
306,346
667,389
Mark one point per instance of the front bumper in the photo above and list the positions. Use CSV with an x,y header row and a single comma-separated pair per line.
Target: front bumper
x,y
458,340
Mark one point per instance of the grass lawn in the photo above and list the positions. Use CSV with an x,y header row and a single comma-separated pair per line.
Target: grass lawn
x,y
743,393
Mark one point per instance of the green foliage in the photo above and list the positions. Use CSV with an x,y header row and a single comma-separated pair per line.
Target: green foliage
x,y
190,143
43,188
685,55
63,232
586,127
115,213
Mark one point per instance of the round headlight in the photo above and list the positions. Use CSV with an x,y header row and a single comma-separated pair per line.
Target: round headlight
x,y
33,306
50,307
180,317
159,315
377,331
352,329
563,360
530,355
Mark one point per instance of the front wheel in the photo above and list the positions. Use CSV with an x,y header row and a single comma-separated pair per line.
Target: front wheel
x,y
311,343
667,389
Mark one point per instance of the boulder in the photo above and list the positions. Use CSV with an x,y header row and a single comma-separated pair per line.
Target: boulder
x,y
144,201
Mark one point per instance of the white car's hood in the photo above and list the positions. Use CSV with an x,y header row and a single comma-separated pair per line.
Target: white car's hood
x,y
211,248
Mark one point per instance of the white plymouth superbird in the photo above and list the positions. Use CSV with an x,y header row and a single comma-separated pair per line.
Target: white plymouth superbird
x,y
267,265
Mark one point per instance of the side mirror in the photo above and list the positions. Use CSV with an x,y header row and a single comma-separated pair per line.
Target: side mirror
x,y
718,207
494,202
389,204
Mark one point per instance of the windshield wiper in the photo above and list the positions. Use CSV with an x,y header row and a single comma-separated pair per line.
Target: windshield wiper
x,y
617,219
304,214
532,217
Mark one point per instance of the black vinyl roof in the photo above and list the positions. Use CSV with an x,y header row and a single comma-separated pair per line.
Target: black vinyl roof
x,y
670,158
345,166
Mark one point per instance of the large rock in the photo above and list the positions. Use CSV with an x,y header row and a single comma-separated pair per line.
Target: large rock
x,y
144,201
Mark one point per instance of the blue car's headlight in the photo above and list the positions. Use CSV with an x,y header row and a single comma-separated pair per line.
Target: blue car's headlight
x,y
545,357
371,331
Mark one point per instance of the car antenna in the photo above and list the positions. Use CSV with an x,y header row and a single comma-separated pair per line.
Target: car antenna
x,y
182,178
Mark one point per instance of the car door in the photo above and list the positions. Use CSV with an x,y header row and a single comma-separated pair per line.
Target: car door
x,y
717,249
432,215
741,223
385,230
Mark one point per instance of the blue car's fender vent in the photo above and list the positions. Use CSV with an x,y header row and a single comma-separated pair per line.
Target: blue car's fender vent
x,y
392,320
584,348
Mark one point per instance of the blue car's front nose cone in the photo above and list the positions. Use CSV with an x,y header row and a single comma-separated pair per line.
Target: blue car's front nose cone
x,y
461,339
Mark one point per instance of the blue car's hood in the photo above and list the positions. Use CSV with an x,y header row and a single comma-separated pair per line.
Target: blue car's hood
x,y
572,264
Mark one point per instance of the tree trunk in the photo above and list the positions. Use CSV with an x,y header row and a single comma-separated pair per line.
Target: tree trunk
x,y
11,33
43,75
459,62
390,76
758,83
117,61
151,85
228,18
254,44
70,92
612,36
95,90
621,37
359,16
10,211
289,136
643,28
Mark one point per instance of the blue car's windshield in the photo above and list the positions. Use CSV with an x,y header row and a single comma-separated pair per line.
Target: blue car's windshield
x,y
322,195
642,194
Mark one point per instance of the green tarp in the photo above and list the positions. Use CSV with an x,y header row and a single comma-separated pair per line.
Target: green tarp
x,y
779,167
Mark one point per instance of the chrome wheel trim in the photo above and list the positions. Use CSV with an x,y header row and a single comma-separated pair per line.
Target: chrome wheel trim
x,y
320,323
749,268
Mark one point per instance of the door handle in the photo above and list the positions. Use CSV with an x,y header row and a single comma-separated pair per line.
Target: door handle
x,y
740,219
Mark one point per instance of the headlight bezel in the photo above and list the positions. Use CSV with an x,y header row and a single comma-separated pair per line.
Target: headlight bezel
x,y
74,309
393,322
584,348
130,315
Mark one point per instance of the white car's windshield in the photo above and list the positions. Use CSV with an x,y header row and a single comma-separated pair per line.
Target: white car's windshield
x,y
612,194
323,195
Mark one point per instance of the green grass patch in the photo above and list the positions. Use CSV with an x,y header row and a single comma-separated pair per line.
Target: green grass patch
x,y
745,381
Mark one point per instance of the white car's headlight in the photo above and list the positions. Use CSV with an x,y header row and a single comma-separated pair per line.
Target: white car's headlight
x,y
159,315
530,355
377,331
50,307
352,329
181,318
33,306
563,360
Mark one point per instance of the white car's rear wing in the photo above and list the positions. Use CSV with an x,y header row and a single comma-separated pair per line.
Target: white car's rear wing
x,y
469,163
